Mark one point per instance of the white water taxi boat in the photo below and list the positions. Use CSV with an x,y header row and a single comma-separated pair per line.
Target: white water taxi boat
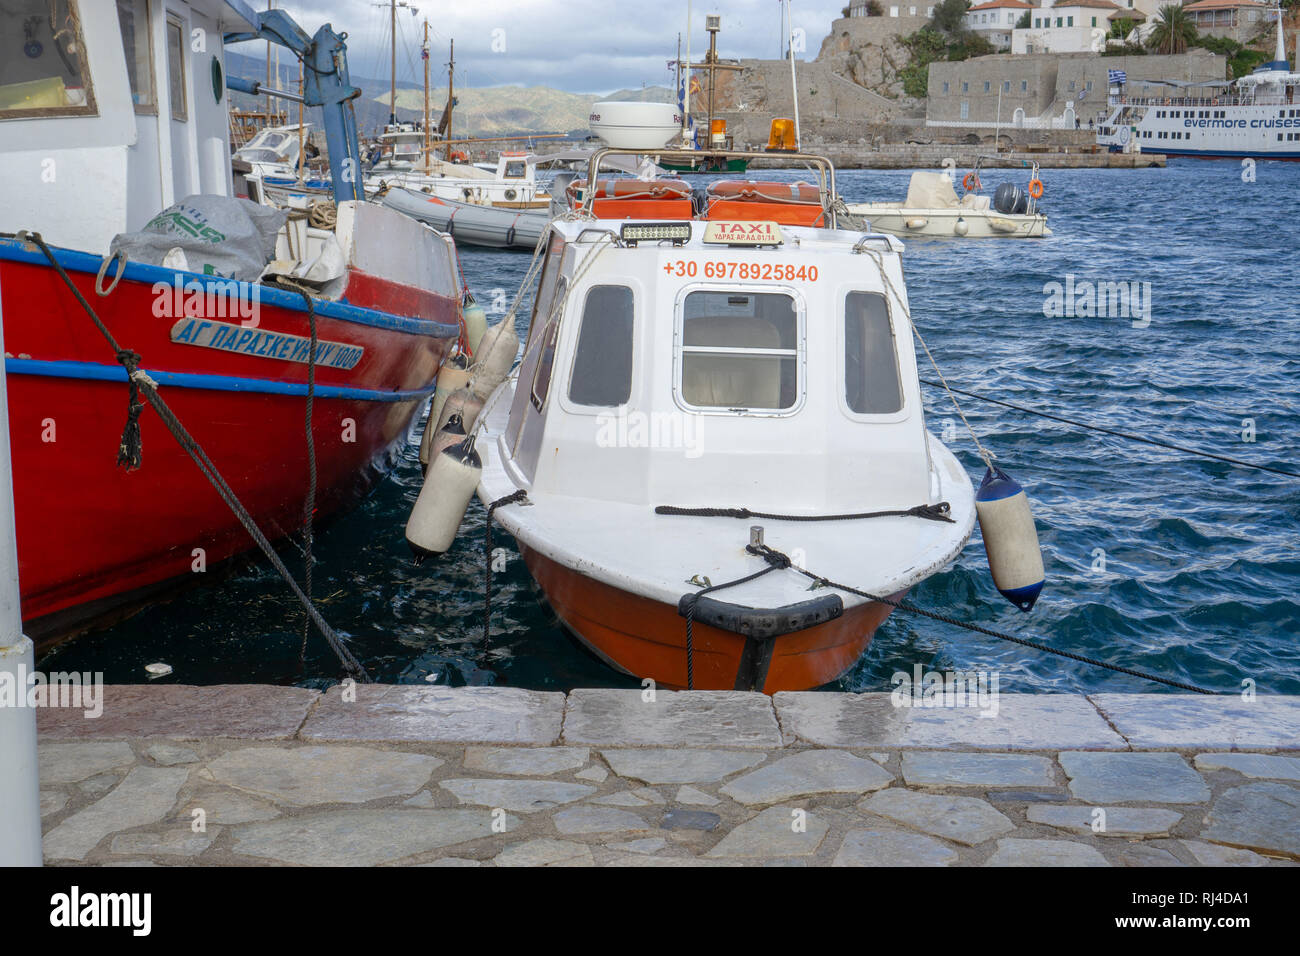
x,y
706,378
932,209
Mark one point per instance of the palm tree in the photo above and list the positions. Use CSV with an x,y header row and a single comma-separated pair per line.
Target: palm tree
x,y
1173,31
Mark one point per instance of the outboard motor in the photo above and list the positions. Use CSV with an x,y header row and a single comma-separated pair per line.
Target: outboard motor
x,y
1010,200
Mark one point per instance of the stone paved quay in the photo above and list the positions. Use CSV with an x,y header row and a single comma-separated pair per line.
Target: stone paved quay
x,y
418,775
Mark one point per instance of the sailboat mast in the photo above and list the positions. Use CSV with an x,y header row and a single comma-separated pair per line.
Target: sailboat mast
x,y
451,99
392,84
424,55
686,104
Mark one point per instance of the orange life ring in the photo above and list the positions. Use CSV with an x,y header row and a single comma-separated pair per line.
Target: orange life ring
x,y
1036,188
801,193
634,189
970,182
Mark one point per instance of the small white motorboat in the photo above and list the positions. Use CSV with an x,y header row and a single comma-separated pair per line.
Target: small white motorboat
x,y
932,209
710,385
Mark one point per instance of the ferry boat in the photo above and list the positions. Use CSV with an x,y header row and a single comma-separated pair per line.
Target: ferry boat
x,y
1256,116
708,375
111,117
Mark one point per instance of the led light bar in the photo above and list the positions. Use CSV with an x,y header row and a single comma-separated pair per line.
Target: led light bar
x,y
676,232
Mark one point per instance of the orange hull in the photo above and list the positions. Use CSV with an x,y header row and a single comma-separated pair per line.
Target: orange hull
x,y
647,638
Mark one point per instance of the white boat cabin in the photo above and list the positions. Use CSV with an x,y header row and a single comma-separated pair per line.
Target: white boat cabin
x,y
111,111
687,363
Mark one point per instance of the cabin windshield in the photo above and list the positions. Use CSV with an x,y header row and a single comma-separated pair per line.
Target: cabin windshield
x,y
740,351
516,170
43,68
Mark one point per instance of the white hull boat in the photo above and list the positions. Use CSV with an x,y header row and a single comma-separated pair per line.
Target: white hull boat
x,y
932,209
709,401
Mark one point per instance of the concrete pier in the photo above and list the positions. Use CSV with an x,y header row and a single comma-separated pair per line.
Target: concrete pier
x,y
418,775
932,156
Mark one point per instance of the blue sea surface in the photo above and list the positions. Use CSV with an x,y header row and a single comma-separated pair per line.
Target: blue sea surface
x,y
1156,559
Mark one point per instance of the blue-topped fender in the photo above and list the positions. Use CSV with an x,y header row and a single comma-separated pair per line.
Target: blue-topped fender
x,y
1010,538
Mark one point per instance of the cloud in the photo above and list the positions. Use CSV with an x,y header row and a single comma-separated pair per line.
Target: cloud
x,y
587,46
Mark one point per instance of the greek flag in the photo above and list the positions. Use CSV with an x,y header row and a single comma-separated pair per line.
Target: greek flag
x,y
1116,77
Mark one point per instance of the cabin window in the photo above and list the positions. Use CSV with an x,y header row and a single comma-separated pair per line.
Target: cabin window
x,y
516,170
871,381
43,67
133,15
176,67
602,362
550,334
740,351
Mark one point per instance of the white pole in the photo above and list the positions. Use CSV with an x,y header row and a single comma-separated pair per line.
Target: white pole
x,y
686,103
794,86
20,802
997,125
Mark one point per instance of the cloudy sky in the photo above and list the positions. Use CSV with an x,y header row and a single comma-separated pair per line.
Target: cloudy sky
x,y
587,46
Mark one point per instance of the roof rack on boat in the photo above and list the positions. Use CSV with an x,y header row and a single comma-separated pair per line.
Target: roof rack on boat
x,y
821,165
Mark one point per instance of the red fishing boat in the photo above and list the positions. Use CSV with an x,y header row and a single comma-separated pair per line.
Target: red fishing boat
x,y
232,358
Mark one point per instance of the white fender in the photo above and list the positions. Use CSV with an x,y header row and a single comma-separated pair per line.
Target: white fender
x,y
917,222
1010,538
462,402
961,227
444,498
496,352
475,325
453,376
452,433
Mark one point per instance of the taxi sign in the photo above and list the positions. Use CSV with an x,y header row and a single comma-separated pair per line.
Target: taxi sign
x,y
742,233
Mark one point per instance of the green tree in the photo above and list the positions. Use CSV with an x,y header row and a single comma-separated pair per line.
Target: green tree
x,y
1120,28
949,17
1173,31
1024,21
1241,59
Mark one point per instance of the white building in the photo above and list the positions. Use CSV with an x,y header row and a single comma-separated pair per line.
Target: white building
x,y
1070,26
996,19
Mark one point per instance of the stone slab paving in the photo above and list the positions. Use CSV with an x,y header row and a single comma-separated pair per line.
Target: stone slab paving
x,y
431,776
1020,722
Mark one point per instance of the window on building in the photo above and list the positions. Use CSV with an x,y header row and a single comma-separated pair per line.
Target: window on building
x,y
965,109
1069,21
872,385
1006,86
965,87
133,16
1094,21
1024,86
1038,22
176,67
602,362
43,69
740,351
986,86
945,86
1058,21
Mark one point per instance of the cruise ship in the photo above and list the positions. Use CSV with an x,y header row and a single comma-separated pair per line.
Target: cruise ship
x,y
1256,116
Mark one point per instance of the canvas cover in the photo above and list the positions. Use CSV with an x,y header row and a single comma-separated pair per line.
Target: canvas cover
x,y
930,191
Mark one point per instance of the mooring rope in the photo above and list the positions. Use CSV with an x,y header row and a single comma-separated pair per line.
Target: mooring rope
x,y
1118,434
509,499
935,512
776,560
149,388
309,502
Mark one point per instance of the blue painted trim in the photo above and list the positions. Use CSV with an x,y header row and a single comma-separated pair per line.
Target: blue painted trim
x,y
94,372
1025,597
74,261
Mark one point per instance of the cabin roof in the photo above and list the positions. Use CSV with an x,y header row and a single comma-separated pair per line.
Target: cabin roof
x,y
796,238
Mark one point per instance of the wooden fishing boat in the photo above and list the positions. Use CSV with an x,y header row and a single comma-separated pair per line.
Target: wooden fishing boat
x,y
232,356
712,384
